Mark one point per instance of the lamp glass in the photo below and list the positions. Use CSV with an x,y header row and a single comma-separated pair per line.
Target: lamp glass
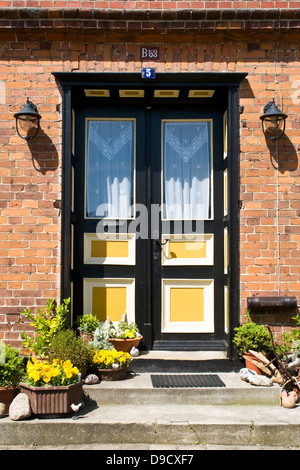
x,y
28,121
273,126
273,121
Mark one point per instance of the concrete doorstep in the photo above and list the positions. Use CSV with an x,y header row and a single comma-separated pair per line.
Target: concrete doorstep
x,y
131,413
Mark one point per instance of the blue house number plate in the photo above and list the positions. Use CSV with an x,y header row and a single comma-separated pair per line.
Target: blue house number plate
x,y
148,72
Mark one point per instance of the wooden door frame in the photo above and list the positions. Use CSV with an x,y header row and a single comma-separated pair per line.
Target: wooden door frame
x,y
70,82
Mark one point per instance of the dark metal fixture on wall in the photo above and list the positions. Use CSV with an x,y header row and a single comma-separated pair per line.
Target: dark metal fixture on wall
x,y
28,121
273,121
271,302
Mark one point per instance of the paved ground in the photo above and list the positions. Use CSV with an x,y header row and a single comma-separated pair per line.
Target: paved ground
x,y
147,447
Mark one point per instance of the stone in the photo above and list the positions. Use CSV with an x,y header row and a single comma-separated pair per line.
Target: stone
x,y
260,380
2,408
20,407
91,379
246,373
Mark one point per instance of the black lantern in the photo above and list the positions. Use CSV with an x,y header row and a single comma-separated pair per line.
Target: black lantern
x,y
28,121
273,121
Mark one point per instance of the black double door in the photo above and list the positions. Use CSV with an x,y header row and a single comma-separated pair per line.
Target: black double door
x,y
149,237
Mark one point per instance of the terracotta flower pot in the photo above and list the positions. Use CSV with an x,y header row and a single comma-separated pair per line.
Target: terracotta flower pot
x,y
125,345
250,365
7,394
87,337
53,402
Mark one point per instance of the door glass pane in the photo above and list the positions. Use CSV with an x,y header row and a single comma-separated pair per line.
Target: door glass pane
x,y
110,168
187,170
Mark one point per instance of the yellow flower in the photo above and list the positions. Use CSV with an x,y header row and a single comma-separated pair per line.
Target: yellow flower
x,y
35,376
67,363
44,373
55,371
68,373
106,358
47,378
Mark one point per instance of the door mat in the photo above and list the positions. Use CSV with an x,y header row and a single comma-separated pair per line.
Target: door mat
x,y
187,381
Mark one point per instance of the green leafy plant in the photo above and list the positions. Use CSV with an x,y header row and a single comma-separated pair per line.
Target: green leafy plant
x,y
252,336
290,340
47,324
12,367
87,323
67,345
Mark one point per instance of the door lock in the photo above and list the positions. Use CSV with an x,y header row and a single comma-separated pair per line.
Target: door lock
x,y
157,245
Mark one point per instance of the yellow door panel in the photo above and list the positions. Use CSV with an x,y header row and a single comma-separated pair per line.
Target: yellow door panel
x,y
109,302
109,249
186,304
187,249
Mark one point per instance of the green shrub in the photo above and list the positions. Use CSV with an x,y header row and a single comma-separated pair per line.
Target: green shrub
x,y
67,345
47,324
12,367
87,323
252,336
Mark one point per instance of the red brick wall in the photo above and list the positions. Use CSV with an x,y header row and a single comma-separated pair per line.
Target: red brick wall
x,y
270,196
30,185
152,4
35,43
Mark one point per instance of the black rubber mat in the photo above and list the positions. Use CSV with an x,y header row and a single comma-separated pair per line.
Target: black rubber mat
x,y
186,381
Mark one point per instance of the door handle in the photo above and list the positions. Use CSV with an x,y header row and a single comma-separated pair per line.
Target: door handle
x,y
157,246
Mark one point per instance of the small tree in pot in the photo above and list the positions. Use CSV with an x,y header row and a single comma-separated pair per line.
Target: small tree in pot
x,y
252,337
86,325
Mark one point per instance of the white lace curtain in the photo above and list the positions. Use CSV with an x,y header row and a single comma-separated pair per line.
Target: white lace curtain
x,y
110,167
187,170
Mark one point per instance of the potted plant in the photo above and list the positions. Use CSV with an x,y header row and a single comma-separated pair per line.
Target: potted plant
x,y
124,336
67,345
252,336
52,387
47,323
87,324
12,369
111,364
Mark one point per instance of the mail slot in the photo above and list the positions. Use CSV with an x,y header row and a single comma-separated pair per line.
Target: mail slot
x,y
272,302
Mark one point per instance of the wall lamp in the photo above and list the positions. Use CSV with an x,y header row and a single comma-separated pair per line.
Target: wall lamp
x,y
273,122
28,121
